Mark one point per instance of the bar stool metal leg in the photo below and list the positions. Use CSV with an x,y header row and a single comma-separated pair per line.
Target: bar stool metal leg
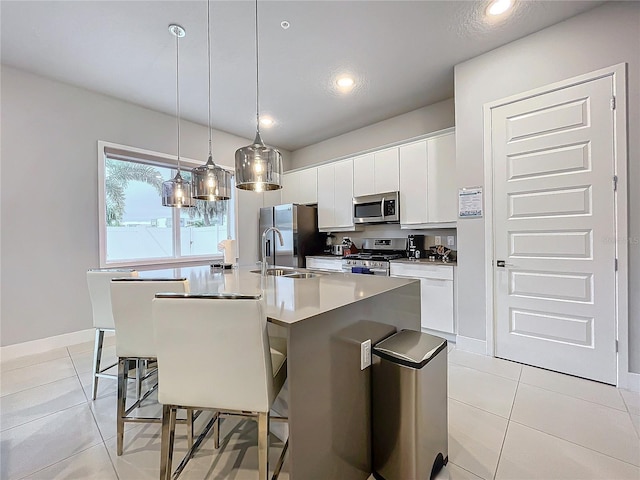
x,y
263,446
123,375
139,376
97,357
216,432
168,436
190,427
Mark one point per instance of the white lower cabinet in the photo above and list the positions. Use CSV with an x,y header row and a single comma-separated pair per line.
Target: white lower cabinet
x,y
436,293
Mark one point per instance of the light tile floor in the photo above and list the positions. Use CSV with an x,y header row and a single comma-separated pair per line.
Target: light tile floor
x,y
506,421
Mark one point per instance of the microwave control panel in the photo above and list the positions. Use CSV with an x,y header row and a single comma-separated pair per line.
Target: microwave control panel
x,y
389,207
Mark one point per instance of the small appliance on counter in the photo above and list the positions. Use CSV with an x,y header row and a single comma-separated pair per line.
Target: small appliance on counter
x,y
415,246
328,245
348,247
440,253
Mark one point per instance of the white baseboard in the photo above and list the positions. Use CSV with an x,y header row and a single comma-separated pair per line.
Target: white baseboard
x,y
472,345
41,345
630,381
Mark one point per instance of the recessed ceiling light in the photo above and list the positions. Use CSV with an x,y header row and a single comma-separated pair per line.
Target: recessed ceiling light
x,y
266,122
284,24
345,82
498,7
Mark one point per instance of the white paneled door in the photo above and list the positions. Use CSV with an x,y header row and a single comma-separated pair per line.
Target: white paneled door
x,y
554,230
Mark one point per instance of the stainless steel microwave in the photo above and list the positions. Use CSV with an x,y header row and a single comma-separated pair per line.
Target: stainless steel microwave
x,y
381,208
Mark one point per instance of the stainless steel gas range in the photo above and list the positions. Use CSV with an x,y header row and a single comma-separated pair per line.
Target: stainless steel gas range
x,y
375,257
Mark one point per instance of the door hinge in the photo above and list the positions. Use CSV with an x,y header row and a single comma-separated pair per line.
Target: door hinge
x,y
615,183
616,346
616,264
613,103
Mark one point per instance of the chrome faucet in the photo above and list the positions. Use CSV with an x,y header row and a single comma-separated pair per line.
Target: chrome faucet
x,y
265,263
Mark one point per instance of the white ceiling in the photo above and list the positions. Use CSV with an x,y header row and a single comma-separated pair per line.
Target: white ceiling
x,y
401,53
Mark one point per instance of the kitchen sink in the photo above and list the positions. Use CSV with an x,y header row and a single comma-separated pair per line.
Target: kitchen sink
x,y
278,272
301,275
286,272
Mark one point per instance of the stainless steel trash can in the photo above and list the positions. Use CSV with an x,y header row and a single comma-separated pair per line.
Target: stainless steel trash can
x,y
409,406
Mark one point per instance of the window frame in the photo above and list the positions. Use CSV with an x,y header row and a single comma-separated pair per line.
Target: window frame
x,y
124,152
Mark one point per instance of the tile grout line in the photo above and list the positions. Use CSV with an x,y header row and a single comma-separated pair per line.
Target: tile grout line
x,y
465,469
576,444
488,373
506,431
575,398
477,408
95,420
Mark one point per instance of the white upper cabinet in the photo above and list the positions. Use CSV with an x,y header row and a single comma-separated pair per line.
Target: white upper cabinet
x,y
428,193
441,180
326,196
300,187
413,183
376,172
344,194
335,196
364,180
386,170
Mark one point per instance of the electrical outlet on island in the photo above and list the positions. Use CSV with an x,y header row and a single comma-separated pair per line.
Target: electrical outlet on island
x,y
365,354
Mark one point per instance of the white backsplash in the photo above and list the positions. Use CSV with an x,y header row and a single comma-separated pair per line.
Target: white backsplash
x,y
393,231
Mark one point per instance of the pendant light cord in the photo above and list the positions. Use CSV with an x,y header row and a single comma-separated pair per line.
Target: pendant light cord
x,y
209,67
257,78
178,95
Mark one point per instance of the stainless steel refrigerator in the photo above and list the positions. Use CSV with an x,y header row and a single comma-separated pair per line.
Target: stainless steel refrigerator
x,y
299,227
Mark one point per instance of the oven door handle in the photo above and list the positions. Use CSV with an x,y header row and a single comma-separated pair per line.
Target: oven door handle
x,y
381,270
382,208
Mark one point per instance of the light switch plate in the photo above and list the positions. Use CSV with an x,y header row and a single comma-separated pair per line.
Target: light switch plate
x,y
438,240
451,240
365,354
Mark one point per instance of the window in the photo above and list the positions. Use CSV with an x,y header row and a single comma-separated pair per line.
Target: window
x,y
135,228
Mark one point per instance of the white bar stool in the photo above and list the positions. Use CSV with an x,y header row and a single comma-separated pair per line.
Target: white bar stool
x,y
99,283
131,300
233,368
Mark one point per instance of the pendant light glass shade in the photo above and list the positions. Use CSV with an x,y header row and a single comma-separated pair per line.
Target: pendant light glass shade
x,y
209,181
258,167
176,192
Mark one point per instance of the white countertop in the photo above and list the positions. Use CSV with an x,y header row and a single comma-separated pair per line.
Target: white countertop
x,y
288,300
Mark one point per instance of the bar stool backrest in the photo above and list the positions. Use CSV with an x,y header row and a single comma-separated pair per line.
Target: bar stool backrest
x,y
213,352
99,282
131,302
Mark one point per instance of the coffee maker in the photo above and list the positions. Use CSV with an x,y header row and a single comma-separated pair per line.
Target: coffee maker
x,y
415,246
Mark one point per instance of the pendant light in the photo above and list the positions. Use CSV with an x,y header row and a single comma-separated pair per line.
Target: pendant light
x,y
176,192
209,181
258,167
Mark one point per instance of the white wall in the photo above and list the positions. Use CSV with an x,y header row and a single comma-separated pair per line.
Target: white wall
x,y
599,38
413,124
49,184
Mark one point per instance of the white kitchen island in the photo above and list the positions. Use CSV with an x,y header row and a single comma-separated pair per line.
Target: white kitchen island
x,y
325,319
